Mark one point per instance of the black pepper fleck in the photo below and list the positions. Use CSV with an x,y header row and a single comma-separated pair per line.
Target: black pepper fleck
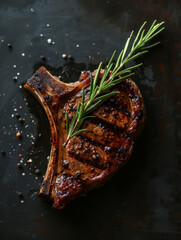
x,y
42,57
9,45
19,165
3,152
15,79
70,57
17,115
20,120
20,195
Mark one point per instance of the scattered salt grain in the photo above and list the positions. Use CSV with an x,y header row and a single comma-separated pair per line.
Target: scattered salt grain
x,y
64,56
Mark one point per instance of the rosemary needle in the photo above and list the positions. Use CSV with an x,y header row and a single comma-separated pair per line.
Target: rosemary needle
x,y
112,76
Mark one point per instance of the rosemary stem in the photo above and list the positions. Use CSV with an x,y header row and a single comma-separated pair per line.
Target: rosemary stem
x,y
98,94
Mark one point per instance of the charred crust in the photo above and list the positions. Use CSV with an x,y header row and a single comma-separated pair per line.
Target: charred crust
x,y
48,99
45,187
100,152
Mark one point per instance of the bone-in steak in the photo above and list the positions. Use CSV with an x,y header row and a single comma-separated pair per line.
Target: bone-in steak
x,y
92,157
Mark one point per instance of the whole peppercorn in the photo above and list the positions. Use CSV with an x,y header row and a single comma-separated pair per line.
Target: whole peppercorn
x,y
20,120
9,45
20,195
15,79
17,115
42,57
3,152
70,57
19,165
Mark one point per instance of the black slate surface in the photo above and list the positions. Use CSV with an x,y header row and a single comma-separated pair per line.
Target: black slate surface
x,y
143,201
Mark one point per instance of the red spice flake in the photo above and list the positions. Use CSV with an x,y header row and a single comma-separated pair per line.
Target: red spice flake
x,y
20,155
18,134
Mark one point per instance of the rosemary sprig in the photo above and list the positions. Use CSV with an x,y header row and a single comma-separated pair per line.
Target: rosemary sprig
x,y
111,77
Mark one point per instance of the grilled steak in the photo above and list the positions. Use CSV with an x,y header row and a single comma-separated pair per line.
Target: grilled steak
x,y
92,157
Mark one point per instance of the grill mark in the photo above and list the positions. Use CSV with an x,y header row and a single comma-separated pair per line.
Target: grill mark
x,y
109,150
79,171
106,126
88,153
110,103
94,163
119,119
94,142
120,106
116,156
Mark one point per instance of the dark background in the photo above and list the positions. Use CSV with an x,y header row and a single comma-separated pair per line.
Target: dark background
x,y
143,201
